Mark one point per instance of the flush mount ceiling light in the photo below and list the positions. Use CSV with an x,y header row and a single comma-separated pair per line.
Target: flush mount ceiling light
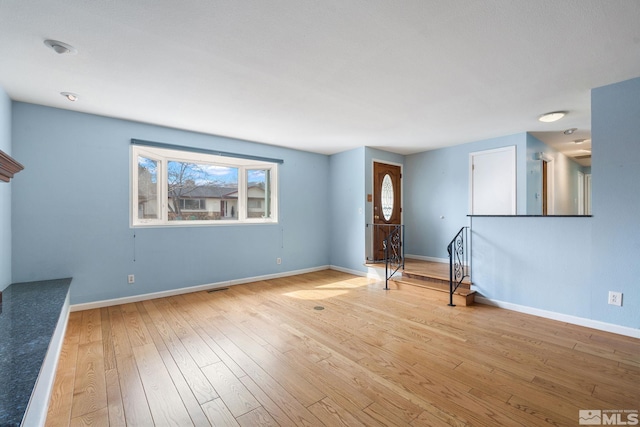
x,y
570,131
60,47
552,117
70,96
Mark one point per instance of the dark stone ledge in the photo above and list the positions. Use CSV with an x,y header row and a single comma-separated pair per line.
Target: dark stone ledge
x,y
28,318
530,216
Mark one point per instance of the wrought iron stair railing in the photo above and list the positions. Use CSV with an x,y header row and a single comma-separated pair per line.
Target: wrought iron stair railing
x,y
393,246
458,261
387,246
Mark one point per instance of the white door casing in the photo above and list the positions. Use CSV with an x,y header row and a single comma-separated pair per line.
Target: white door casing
x,y
550,190
587,194
580,201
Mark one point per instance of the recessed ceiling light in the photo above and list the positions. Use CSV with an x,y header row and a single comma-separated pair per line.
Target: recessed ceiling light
x,y
70,96
60,47
570,131
552,117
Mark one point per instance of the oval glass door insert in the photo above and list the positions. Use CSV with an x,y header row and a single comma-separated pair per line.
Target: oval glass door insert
x,y
386,197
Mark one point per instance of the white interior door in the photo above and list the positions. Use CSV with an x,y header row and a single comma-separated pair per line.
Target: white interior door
x,y
492,186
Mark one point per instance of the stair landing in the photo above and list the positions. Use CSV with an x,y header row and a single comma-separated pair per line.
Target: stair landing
x,y
434,278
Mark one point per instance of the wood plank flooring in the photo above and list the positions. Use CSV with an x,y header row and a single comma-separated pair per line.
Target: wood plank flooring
x,y
263,354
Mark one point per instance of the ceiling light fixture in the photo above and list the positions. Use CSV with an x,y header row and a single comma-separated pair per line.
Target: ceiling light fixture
x,y
570,131
60,47
579,141
552,117
70,96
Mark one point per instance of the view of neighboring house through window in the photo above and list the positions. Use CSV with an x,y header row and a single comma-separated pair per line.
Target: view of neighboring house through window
x,y
202,192
179,187
258,193
148,184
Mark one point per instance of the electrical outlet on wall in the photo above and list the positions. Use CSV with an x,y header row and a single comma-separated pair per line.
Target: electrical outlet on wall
x,y
615,298
131,278
278,260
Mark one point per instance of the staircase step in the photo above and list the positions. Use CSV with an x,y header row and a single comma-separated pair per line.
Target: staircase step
x,y
462,296
434,278
432,285
430,271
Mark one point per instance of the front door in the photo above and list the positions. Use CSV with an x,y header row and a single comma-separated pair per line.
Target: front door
x,y
223,208
387,206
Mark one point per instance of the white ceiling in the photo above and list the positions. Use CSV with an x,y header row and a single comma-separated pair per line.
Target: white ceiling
x,y
325,76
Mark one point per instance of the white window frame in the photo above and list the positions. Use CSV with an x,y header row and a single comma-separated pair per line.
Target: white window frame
x,y
163,156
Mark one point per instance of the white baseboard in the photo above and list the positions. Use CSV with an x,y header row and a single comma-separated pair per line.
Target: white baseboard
x,y
350,271
574,320
375,273
179,291
427,258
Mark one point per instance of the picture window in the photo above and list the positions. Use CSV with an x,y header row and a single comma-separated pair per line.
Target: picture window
x,y
173,187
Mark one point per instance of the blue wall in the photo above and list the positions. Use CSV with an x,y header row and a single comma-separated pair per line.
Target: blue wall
x,y
568,265
346,209
71,218
615,133
351,180
436,185
5,194
534,262
70,214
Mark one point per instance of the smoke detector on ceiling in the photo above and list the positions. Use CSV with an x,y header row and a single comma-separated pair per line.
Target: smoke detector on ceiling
x,y
70,96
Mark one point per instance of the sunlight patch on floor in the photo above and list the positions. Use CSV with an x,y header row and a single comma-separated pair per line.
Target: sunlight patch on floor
x,y
314,294
344,284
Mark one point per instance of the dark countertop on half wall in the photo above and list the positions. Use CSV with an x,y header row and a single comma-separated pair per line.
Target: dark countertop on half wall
x,y
29,313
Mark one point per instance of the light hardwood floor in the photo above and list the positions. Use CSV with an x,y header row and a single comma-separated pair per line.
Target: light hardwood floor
x,y
262,354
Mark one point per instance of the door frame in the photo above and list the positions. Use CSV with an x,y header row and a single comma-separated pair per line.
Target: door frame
x,y
581,203
587,194
549,190
369,240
